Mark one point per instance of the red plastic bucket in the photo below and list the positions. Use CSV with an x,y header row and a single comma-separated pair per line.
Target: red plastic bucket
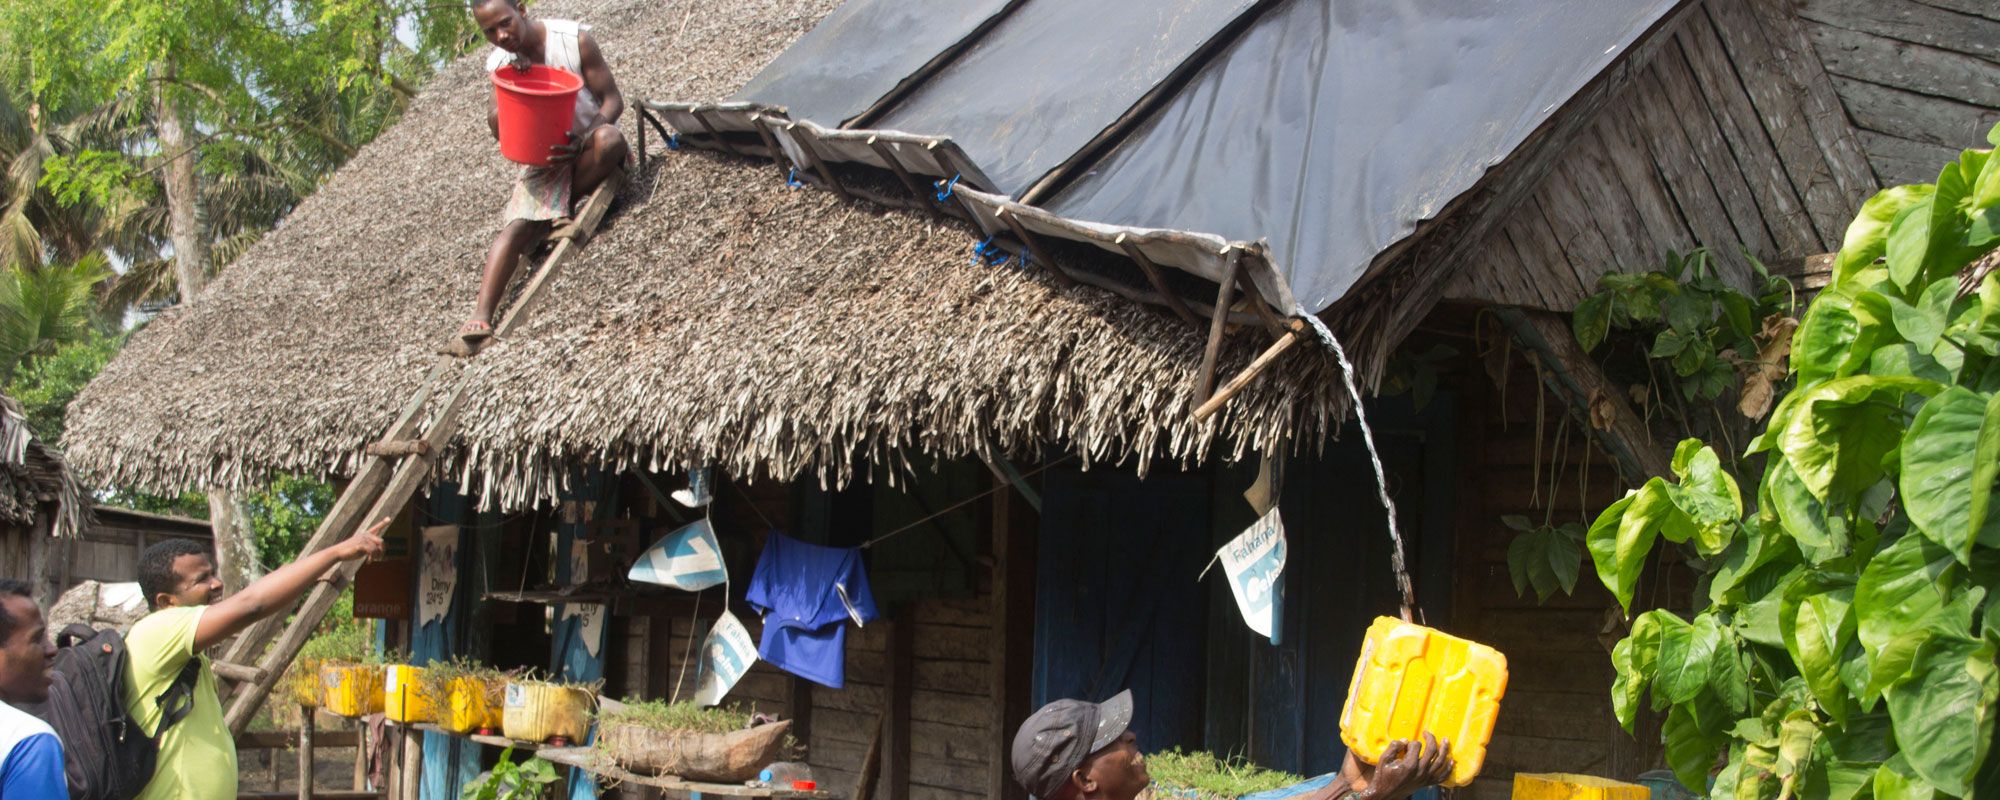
x,y
537,109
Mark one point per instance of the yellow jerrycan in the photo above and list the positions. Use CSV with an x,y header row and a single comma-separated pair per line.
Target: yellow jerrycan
x,y
1411,680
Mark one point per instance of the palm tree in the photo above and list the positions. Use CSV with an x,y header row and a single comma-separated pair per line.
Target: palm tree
x,y
44,308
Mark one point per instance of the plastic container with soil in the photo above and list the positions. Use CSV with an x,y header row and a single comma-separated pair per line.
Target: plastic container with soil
x,y
1412,680
545,712
351,690
403,695
730,757
472,705
537,108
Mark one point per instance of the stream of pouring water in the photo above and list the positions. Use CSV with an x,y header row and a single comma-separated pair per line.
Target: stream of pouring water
x,y
1374,459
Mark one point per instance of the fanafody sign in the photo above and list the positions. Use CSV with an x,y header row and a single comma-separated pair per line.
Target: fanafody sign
x,y
1255,564
726,654
687,559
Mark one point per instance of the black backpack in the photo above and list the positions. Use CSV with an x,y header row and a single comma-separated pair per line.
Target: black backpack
x,y
105,754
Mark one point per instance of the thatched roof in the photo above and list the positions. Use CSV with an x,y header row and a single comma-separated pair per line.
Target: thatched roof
x,y
33,474
721,318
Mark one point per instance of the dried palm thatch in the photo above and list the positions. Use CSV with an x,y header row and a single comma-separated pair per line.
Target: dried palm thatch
x,y
31,474
721,319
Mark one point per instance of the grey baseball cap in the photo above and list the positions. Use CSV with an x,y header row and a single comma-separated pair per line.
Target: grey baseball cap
x,y
1054,741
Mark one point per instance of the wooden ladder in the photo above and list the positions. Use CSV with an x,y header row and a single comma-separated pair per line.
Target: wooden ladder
x,y
395,468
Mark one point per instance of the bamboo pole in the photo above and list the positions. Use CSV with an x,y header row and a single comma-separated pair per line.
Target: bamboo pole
x,y
1250,373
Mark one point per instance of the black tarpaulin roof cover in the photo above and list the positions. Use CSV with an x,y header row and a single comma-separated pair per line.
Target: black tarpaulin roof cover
x,y
1327,128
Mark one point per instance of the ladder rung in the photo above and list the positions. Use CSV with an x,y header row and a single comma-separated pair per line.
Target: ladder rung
x,y
236,672
400,448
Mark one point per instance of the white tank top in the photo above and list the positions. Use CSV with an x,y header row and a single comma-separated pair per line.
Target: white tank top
x,y
562,51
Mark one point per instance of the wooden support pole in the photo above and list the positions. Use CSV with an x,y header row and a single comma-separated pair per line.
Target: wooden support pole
x,y
1271,319
778,156
305,753
1589,393
888,156
361,758
1263,361
719,138
899,688
410,781
1218,320
945,169
1028,240
1013,614
818,165
871,761
1158,281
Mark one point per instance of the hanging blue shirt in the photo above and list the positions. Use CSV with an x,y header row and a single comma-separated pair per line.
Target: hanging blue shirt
x,y
807,594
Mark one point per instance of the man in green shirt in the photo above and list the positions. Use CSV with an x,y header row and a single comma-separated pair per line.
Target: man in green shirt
x,y
197,755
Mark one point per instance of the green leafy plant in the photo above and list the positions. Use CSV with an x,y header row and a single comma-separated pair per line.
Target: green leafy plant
x,y
682,716
435,682
533,779
1206,776
1546,558
1843,643
1696,322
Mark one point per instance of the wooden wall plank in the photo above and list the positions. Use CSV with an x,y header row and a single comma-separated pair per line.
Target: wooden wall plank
x,y
1714,156
1825,116
1687,183
1588,168
1548,267
1919,118
1912,22
1575,227
1632,161
1982,8
1899,161
1777,199
1912,67
1781,105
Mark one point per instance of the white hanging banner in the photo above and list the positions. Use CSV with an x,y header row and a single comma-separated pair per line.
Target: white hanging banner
x,y
688,559
726,654
438,580
1255,564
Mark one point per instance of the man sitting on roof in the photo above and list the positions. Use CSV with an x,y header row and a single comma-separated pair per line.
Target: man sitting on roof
x,y
1078,750
596,148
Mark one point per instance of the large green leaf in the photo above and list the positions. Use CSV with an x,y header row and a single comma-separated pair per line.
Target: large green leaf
x,y
1761,543
1693,745
1867,235
1727,677
1636,657
1896,780
1817,628
1844,427
1944,711
1823,345
1951,457
1909,243
1801,514
1708,495
1899,592
1623,535
1687,655
1592,320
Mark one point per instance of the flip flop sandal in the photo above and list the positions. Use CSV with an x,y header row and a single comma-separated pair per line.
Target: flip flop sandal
x,y
475,331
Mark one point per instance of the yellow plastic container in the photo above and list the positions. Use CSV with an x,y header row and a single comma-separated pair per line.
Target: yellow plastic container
x,y
1411,680
472,705
542,712
351,690
1564,786
403,696
305,687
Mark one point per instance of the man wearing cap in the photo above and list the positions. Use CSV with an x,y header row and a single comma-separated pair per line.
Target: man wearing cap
x,y
1074,750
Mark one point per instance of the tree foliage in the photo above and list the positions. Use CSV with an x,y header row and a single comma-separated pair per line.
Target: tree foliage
x,y
1844,644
